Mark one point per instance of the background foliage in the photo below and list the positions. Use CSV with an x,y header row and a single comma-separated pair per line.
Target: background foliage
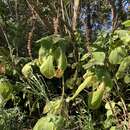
x,y
64,64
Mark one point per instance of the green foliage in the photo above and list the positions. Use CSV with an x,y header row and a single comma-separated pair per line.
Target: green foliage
x,y
10,117
50,83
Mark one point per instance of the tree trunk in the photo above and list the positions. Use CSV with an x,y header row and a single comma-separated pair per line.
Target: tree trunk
x,y
122,16
113,11
128,15
88,27
75,14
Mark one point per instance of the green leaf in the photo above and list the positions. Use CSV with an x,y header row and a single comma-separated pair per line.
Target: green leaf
x,y
124,35
45,49
104,75
47,68
57,39
61,62
126,23
27,70
127,79
123,68
47,41
6,89
86,83
117,55
97,59
49,122
95,98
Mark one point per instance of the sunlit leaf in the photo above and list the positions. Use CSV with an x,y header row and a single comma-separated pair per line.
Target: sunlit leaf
x,y
124,35
27,70
47,68
45,49
97,59
49,122
126,23
117,55
95,98
123,67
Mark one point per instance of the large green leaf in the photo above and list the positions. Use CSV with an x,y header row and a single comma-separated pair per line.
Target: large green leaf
x,y
52,51
123,68
52,40
117,55
124,35
95,98
49,122
45,49
97,59
47,68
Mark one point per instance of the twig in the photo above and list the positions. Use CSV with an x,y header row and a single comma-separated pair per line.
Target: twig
x,y
9,46
113,111
38,16
30,35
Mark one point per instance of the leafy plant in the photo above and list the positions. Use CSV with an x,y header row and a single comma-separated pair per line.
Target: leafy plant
x,y
52,60
10,117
